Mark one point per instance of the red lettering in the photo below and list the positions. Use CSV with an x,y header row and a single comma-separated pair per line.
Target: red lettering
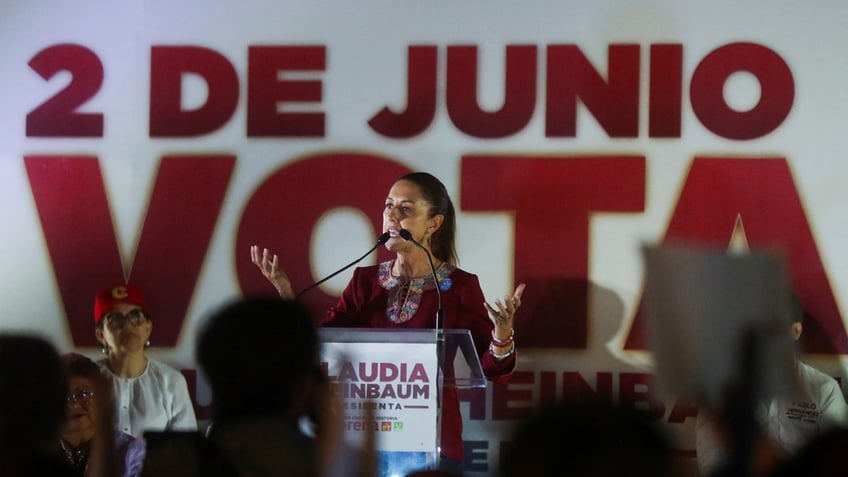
x,y
279,216
777,91
266,91
388,372
552,199
75,217
503,395
666,91
58,116
476,456
347,373
363,372
574,387
516,400
547,388
761,193
421,98
613,103
635,392
418,374
476,399
519,97
168,64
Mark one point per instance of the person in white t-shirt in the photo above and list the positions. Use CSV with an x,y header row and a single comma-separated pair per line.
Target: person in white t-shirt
x,y
788,423
817,406
149,395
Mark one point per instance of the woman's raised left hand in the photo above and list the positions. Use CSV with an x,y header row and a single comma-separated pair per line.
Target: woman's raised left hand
x,y
503,313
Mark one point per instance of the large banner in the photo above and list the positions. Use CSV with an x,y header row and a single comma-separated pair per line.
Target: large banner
x,y
156,141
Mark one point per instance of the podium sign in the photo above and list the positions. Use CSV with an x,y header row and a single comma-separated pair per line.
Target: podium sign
x,y
397,381
395,374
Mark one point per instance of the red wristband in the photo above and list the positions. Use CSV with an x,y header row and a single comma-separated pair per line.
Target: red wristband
x,y
505,342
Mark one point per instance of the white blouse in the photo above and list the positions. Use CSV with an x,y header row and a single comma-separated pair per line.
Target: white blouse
x,y
157,400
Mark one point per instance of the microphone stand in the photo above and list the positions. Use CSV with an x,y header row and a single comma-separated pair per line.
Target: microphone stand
x,y
440,313
440,338
380,241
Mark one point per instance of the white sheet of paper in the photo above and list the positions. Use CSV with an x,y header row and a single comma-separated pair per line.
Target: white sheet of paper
x,y
700,302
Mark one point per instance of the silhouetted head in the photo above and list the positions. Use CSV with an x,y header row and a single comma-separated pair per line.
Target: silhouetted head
x,y
586,439
259,355
32,392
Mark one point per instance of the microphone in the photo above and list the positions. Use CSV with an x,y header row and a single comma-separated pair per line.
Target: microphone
x,y
380,241
440,314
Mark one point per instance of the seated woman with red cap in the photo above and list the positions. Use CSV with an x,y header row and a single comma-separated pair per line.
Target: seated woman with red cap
x,y
149,395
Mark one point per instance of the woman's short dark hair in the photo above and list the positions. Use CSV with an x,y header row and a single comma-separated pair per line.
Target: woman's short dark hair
x,y
257,354
77,365
443,242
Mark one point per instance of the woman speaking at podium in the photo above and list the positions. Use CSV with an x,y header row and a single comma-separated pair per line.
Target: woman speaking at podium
x,y
401,293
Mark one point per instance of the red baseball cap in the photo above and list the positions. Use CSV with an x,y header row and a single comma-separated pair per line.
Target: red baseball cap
x,y
109,297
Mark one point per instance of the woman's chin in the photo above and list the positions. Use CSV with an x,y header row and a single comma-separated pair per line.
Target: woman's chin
x,y
76,424
132,346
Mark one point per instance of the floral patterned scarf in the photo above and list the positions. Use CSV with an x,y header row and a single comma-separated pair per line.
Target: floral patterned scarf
x,y
405,295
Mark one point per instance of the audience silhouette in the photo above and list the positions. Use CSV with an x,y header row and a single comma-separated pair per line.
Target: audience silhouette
x,y
33,390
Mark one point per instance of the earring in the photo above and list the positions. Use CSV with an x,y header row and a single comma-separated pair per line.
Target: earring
x,y
104,350
147,344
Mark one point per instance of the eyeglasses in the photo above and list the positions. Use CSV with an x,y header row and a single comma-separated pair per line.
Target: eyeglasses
x,y
118,320
82,396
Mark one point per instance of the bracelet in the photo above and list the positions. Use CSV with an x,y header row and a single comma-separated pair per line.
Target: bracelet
x,y
501,356
505,342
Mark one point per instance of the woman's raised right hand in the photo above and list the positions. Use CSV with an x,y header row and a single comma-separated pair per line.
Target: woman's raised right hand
x,y
270,268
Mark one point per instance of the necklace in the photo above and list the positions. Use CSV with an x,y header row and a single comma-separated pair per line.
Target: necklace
x,y
405,289
76,456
